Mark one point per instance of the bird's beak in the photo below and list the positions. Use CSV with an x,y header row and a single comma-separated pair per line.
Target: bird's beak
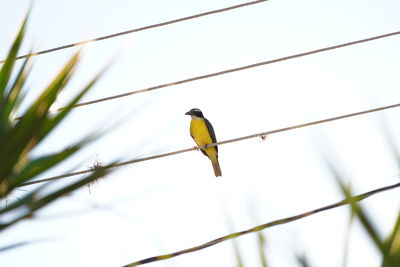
x,y
188,113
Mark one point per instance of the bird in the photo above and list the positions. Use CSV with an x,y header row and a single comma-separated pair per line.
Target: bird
x,y
203,134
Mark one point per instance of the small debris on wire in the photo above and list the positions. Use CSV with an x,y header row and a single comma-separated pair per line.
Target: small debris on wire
x,y
263,137
96,164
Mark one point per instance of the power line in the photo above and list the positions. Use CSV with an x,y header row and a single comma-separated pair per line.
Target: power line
x,y
237,69
263,134
140,29
210,75
264,226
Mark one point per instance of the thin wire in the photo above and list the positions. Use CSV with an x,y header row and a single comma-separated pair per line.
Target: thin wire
x,y
263,134
264,226
140,29
210,75
237,69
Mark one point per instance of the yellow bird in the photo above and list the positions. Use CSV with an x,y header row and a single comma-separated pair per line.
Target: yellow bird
x,y
203,134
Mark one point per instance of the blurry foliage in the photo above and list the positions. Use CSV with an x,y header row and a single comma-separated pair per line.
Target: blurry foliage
x,y
389,248
19,137
302,260
261,249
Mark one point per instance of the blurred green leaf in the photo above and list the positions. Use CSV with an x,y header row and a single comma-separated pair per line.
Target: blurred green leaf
x,y
7,68
40,165
365,220
238,256
356,208
13,98
20,202
392,246
347,239
261,249
15,245
302,260
51,123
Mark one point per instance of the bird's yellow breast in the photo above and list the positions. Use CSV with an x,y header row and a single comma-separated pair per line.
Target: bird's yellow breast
x,y
199,132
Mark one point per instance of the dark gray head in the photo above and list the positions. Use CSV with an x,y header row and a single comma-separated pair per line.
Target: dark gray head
x,y
195,112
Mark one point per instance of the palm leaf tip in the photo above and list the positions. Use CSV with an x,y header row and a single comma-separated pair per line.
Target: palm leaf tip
x,y
18,138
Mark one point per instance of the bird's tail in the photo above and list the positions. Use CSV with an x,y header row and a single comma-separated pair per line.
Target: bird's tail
x,y
217,168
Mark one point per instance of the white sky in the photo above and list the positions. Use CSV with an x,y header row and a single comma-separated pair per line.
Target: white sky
x,y
173,203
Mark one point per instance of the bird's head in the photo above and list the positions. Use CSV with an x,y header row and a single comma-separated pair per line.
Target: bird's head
x,y
195,112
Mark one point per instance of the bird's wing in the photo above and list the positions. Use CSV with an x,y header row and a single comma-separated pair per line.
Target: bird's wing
x,y
212,133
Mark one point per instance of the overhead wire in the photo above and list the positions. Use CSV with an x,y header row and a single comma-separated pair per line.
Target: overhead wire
x,y
214,74
264,226
263,134
148,27
227,71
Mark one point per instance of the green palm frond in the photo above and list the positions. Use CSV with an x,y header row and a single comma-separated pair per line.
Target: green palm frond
x,y
19,137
